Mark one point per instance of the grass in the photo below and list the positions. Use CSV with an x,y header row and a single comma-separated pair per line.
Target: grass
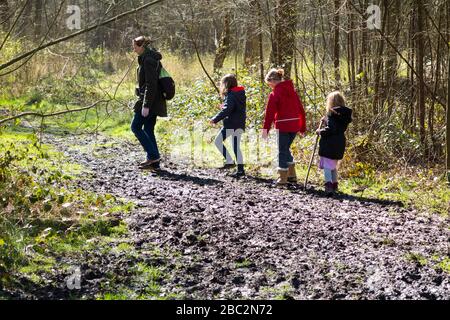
x,y
43,218
145,281
417,258
243,264
444,264
282,292
435,261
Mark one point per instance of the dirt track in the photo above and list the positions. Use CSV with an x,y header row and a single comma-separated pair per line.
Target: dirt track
x,y
223,238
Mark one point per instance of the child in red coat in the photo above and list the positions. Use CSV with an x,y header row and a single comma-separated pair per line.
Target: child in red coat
x,y
284,110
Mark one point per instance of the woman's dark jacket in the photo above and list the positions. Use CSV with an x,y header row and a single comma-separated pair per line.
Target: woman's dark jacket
x,y
148,76
332,137
233,111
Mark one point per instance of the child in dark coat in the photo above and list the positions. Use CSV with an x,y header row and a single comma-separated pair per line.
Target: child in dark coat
x,y
332,139
234,115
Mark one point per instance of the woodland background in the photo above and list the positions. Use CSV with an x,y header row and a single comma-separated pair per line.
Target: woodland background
x,y
58,80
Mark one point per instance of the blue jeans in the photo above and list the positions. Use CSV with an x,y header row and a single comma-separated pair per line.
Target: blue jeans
x,y
285,157
236,142
146,135
330,175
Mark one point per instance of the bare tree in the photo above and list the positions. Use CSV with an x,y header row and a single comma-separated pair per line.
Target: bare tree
x,y
224,43
420,54
4,15
336,45
284,37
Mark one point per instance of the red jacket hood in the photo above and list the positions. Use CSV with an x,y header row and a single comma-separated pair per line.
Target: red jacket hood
x,y
237,89
284,109
285,86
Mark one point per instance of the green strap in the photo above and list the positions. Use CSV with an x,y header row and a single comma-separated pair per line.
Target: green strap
x,y
163,73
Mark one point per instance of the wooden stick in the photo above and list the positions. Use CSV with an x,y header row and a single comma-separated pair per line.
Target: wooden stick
x,y
312,157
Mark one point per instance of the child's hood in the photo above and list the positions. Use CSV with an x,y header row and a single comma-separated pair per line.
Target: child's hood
x,y
238,93
285,88
343,114
237,89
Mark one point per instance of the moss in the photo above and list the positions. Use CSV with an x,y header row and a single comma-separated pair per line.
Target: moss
x,y
417,258
443,264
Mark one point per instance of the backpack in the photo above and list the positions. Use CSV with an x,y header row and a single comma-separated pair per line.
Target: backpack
x,y
166,83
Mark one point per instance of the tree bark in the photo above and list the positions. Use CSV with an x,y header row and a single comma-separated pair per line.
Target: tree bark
x,y
351,50
283,42
378,67
336,51
38,19
448,120
448,98
252,32
224,44
4,15
391,65
420,52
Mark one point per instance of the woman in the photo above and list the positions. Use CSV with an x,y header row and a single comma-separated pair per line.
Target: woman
x,y
151,103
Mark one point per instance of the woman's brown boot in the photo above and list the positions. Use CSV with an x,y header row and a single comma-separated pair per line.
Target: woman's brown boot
x,y
282,180
292,175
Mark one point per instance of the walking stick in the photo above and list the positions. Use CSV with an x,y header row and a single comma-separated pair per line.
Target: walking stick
x,y
312,157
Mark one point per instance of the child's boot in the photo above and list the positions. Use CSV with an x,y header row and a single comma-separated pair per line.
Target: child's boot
x,y
240,171
283,179
227,166
335,186
292,175
329,189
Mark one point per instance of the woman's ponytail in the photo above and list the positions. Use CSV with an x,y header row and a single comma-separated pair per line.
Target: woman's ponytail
x,y
142,41
275,75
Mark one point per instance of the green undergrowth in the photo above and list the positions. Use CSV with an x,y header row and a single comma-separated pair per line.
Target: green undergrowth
x,y
112,119
44,218
436,261
145,283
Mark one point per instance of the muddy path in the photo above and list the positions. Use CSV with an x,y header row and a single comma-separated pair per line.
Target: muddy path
x,y
227,238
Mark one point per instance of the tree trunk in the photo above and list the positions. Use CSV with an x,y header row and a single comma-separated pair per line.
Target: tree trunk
x,y
336,51
4,13
378,68
351,50
448,120
435,148
448,98
283,42
420,52
224,44
38,19
363,68
410,114
391,60
260,45
252,31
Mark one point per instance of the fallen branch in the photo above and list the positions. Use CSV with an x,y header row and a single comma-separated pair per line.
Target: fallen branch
x,y
43,115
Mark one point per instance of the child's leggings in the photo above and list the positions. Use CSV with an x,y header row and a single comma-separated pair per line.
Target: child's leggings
x,y
330,175
236,142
